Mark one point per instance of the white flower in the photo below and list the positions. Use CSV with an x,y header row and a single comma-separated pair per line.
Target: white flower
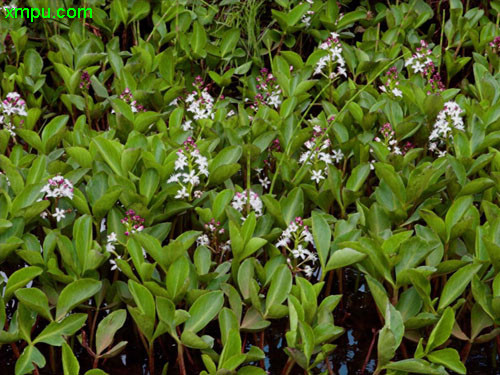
x,y
240,200
182,193
397,92
187,126
181,161
44,214
110,247
274,100
103,225
317,176
58,187
59,214
114,266
203,240
284,241
265,182
112,237
300,252
337,155
308,270
226,246
191,178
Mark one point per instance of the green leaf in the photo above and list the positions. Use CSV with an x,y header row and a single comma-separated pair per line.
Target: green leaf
x,y
69,361
441,331
150,180
229,41
106,202
81,155
143,299
199,40
358,177
456,212
231,355
322,237
74,294
53,131
350,18
178,279
203,310
293,205
281,284
386,172
36,300
344,257
30,355
448,357
416,366
107,328
457,284
82,234
19,279
54,332
110,152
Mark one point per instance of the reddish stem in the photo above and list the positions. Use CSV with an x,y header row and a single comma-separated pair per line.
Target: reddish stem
x,y
367,359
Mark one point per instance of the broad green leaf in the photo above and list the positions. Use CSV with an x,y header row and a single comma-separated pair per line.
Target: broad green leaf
x,y
456,212
54,333
36,300
143,299
358,177
322,237
293,205
441,331
457,284
19,279
69,361
75,293
107,328
203,310
343,257
281,284
448,357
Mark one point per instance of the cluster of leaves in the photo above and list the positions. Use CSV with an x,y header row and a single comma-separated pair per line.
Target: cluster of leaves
x,y
201,171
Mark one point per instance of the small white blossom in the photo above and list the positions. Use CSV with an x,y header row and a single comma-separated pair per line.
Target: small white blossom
x,y
59,214
317,176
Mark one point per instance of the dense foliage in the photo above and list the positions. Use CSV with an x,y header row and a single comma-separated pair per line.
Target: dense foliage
x,y
184,179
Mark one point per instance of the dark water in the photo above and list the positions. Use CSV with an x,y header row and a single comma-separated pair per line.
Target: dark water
x,y
356,313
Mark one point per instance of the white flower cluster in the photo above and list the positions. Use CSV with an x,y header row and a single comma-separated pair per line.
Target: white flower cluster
x,y
447,120
296,239
128,98
316,155
420,61
333,59
392,83
240,201
269,92
202,240
389,139
58,187
13,105
201,103
191,165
